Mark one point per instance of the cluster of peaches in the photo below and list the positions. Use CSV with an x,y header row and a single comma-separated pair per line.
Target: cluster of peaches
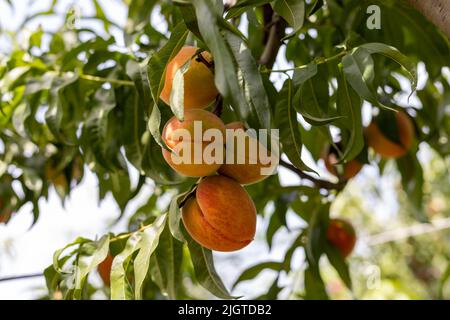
x,y
221,216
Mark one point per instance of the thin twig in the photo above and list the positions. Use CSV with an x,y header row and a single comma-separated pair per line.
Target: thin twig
x,y
26,276
273,37
323,184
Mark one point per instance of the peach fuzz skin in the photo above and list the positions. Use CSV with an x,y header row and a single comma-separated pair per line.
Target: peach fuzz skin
x,y
199,88
245,173
209,121
221,216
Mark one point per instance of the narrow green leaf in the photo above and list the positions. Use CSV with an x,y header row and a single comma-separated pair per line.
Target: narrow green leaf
x,y
293,11
255,270
177,93
205,271
339,264
120,288
148,243
167,260
397,56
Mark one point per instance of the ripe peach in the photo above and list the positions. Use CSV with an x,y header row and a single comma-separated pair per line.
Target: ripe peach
x,y
221,216
250,171
199,87
387,148
208,120
104,269
341,234
351,168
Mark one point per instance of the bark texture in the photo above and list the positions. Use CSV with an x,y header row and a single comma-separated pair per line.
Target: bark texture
x,y
437,11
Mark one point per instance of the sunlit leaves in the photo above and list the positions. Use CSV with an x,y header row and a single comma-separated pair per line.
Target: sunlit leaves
x,y
156,75
293,11
205,271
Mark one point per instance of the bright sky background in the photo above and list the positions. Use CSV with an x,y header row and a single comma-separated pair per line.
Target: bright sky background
x,y
24,251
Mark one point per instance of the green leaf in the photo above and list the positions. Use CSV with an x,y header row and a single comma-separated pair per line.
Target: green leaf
x,y
167,263
349,105
156,66
120,288
293,11
148,243
255,88
175,214
226,78
91,255
412,182
316,240
444,279
177,93
358,67
314,285
340,265
255,270
397,56
243,5
57,254
290,136
156,69
206,274
139,12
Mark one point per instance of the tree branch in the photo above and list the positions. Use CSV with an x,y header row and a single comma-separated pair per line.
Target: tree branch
x,y
323,184
26,276
275,31
436,11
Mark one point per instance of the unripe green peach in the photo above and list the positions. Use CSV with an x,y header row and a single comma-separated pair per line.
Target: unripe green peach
x,y
193,118
221,216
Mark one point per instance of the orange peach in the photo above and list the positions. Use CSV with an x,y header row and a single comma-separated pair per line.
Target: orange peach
x,y
193,118
389,149
221,216
104,269
199,88
341,234
249,171
351,168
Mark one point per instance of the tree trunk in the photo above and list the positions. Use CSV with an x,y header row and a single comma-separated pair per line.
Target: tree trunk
x,y
437,11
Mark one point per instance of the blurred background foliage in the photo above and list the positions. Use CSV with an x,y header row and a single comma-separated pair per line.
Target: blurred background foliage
x,y
82,97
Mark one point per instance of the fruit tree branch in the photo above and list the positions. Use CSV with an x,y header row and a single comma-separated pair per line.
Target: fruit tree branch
x,y
436,11
26,276
273,37
323,184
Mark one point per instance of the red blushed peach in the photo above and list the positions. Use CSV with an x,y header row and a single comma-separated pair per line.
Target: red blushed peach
x,y
249,170
221,216
193,120
104,269
199,88
341,234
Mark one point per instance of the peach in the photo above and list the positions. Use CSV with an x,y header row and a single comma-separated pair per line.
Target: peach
x,y
199,88
104,269
208,120
221,216
250,171
351,168
341,234
387,148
